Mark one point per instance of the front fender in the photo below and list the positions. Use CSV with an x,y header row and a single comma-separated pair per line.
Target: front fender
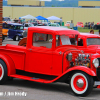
x,y
19,35
82,68
9,63
76,68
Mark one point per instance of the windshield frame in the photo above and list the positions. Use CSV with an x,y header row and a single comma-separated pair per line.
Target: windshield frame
x,y
74,36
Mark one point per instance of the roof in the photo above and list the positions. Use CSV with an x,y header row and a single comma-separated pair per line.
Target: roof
x,y
15,24
57,30
88,35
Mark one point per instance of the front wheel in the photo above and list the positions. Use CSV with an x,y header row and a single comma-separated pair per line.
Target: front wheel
x,y
16,38
3,72
81,83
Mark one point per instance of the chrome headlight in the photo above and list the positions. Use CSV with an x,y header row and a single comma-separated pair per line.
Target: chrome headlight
x,y
21,33
80,55
96,63
69,56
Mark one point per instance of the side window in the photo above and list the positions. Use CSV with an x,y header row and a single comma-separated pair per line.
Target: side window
x,y
10,26
80,42
42,40
5,26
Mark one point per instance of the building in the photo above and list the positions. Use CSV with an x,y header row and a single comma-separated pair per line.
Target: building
x,y
1,22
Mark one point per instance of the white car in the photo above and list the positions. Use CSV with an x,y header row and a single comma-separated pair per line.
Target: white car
x,y
26,25
68,23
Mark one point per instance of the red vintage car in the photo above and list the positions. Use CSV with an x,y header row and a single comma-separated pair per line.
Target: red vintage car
x,y
50,57
79,24
89,43
98,23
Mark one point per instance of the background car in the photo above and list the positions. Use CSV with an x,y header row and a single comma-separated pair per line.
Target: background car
x,y
26,25
15,31
68,23
98,23
79,24
5,28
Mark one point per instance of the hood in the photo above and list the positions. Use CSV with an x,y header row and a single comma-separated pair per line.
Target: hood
x,y
95,48
20,31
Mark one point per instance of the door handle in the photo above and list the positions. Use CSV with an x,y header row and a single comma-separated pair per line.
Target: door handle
x,y
30,50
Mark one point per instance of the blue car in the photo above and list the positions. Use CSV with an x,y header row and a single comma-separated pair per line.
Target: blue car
x,y
15,31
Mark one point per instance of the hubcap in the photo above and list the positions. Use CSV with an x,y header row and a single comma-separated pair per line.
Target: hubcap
x,y
79,83
17,38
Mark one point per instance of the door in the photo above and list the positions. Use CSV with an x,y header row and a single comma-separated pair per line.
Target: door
x,y
11,32
39,56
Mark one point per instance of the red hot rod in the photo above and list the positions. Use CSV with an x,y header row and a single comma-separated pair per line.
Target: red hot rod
x,y
50,57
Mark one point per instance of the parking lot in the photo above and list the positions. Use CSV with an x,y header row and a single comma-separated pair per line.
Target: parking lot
x,y
39,91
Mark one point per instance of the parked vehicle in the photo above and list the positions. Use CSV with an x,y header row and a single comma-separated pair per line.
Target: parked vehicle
x,y
15,31
54,24
26,25
98,23
96,26
68,23
65,62
89,43
6,19
79,24
5,28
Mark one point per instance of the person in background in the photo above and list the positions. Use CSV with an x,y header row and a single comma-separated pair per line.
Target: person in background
x,y
91,31
71,24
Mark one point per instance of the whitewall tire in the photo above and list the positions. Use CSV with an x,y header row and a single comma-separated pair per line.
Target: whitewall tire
x,y
81,83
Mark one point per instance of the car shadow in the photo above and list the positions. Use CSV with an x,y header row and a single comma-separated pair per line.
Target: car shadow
x,y
52,87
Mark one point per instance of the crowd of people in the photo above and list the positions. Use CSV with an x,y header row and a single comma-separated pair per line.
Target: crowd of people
x,y
90,25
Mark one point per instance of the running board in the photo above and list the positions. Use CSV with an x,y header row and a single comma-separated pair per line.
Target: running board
x,y
35,79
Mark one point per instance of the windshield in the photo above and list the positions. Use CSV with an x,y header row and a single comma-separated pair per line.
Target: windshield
x,y
65,40
30,25
93,41
18,27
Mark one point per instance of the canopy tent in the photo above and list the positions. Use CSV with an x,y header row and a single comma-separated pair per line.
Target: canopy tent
x,y
53,18
41,18
27,17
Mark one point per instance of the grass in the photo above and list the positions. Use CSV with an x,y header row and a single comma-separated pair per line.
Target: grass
x,y
81,29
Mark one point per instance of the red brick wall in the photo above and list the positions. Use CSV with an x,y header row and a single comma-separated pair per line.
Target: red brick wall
x,y
1,1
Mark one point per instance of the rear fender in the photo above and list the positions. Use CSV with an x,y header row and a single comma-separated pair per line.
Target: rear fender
x,y
9,63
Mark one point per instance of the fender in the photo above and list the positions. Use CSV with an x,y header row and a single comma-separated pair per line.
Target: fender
x,y
78,68
9,63
19,35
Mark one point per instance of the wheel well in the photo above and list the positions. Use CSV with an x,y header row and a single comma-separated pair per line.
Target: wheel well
x,y
66,78
9,64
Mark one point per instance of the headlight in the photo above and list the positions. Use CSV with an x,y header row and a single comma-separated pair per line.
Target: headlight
x,y
96,63
80,55
21,33
69,56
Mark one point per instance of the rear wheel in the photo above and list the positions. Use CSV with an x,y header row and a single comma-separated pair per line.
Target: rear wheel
x,y
81,83
3,72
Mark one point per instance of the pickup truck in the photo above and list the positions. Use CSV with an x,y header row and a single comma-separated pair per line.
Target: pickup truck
x,y
50,57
